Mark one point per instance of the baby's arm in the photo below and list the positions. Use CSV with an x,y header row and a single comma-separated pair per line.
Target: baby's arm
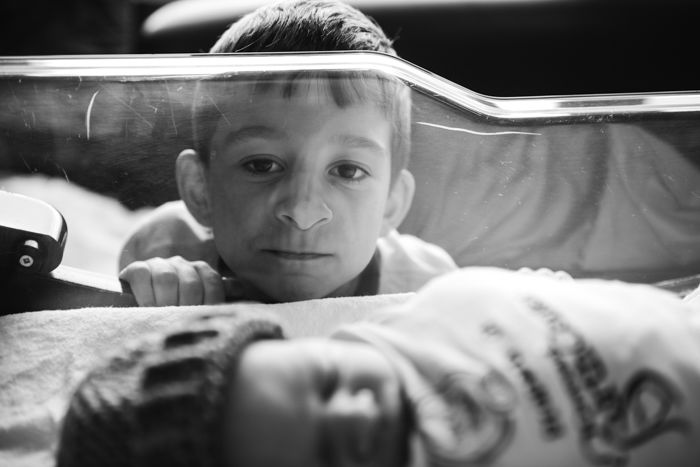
x,y
173,281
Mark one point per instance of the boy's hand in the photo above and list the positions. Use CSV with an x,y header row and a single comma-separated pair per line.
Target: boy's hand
x,y
173,281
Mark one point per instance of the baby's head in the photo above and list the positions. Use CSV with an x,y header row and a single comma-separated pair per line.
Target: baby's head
x,y
229,390
315,402
299,174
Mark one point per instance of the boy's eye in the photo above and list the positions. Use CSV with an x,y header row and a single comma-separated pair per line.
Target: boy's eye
x,y
349,172
262,165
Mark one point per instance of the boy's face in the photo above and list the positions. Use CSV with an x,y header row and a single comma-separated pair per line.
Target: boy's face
x,y
314,402
298,190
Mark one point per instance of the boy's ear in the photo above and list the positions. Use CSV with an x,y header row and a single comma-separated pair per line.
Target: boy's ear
x,y
192,185
399,202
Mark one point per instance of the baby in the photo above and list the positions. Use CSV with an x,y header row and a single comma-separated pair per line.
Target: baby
x,y
481,367
299,179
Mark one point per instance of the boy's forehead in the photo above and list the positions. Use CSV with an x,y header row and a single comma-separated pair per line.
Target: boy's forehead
x,y
241,95
271,103
300,105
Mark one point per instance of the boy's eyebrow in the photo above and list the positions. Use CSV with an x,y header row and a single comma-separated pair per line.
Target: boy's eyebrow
x,y
266,132
253,131
359,142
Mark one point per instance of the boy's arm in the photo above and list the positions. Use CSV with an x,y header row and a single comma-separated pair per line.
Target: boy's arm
x,y
170,230
170,259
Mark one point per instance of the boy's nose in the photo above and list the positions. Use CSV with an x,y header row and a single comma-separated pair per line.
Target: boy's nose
x,y
303,207
352,421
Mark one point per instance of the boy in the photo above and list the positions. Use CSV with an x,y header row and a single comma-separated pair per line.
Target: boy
x,y
300,179
481,367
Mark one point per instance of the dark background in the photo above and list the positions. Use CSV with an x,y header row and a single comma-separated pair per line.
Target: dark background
x,y
500,47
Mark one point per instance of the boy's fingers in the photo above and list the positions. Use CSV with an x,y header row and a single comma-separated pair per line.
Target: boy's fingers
x,y
165,282
190,287
138,275
173,281
212,284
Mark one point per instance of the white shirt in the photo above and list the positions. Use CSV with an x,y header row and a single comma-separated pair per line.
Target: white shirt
x,y
408,263
511,369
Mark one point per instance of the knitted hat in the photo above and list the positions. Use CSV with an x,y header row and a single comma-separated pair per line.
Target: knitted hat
x,y
160,401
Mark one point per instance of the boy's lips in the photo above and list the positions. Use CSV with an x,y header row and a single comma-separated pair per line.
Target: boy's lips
x,y
296,255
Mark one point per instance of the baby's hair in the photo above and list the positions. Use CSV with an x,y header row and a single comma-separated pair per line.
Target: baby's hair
x,y
311,26
160,400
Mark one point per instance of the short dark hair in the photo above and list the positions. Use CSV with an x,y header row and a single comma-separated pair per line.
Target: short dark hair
x,y
315,26
304,26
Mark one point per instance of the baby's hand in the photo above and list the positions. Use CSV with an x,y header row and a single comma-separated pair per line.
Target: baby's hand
x,y
173,281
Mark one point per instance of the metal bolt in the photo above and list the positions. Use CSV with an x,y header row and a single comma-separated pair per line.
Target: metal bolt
x,y
26,261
